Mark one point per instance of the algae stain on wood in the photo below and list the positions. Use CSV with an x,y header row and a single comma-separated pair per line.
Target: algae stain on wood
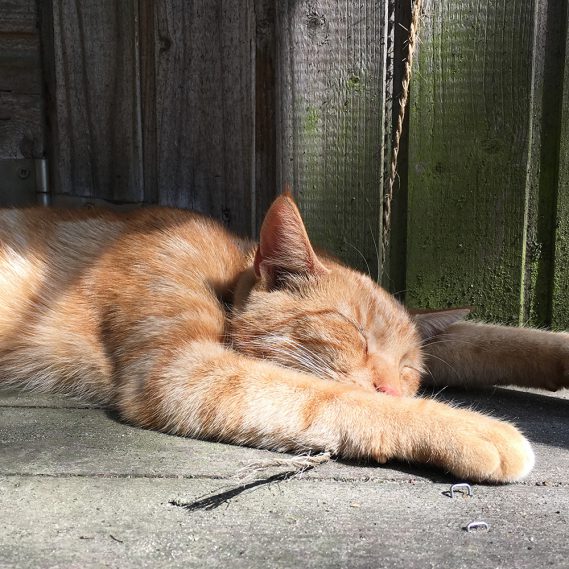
x,y
311,122
545,167
560,292
467,156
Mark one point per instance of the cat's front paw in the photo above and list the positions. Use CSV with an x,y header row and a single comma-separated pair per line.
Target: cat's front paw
x,y
490,451
472,446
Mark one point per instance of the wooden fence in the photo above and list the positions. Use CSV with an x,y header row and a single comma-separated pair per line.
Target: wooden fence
x,y
217,104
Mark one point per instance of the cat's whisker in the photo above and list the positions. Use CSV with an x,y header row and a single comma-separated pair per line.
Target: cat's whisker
x,y
361,255
427,370
444,362
279,339
436,395
402,291
442,339
377,256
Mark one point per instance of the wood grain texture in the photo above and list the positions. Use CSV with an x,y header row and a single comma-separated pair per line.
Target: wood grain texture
x,y
19,17
331,78
199,127
546,122
219,105
560,285
21,102
469,154
266,100
90,50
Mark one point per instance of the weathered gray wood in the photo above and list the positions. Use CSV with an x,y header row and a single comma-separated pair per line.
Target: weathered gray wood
x,y
469,155
20,63
91,57
266,100
331,58
19,17
21,103
21,125
199,107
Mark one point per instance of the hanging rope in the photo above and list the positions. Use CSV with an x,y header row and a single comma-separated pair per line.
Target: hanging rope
x,y
388,198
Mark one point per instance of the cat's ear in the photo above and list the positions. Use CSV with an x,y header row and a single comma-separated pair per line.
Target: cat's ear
x,y
432,323
284,248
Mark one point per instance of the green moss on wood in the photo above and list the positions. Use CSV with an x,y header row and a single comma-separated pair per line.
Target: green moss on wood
x,y
311,121
466,161
354,84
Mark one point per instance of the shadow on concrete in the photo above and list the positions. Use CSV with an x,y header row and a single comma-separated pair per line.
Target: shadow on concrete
x,y
217,499
542,418
413,470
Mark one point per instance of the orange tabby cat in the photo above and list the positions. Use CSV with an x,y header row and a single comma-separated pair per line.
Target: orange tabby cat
x,y
185,328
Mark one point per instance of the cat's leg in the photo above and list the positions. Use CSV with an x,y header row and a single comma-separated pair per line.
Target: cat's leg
x,y
204,390
470,354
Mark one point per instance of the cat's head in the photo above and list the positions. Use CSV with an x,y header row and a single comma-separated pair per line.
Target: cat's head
x,y
309,312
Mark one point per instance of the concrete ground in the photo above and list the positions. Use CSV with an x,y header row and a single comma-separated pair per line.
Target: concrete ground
x,y
79,489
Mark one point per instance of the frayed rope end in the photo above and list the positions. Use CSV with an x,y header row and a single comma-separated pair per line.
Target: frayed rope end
x,y
296,464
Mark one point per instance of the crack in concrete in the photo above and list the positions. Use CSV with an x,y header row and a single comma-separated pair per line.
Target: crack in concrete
x,y
283,475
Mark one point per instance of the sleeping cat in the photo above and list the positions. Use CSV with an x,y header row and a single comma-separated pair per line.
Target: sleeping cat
x,y
185,328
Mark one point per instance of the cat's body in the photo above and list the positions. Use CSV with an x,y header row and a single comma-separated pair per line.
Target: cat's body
x,y
185,328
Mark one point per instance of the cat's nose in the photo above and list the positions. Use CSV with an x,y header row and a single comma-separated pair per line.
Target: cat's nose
x,y
388,390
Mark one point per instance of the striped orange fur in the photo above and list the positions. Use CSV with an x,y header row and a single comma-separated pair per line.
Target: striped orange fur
x,y
185,328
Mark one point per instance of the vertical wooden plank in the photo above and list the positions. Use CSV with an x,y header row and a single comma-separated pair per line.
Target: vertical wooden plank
x,y
90,51
469,154
543,170
265,185
331,81
199,138
21,100
560,288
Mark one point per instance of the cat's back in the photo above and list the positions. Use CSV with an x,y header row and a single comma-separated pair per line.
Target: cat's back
x,y
48,254
78,285
72,238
